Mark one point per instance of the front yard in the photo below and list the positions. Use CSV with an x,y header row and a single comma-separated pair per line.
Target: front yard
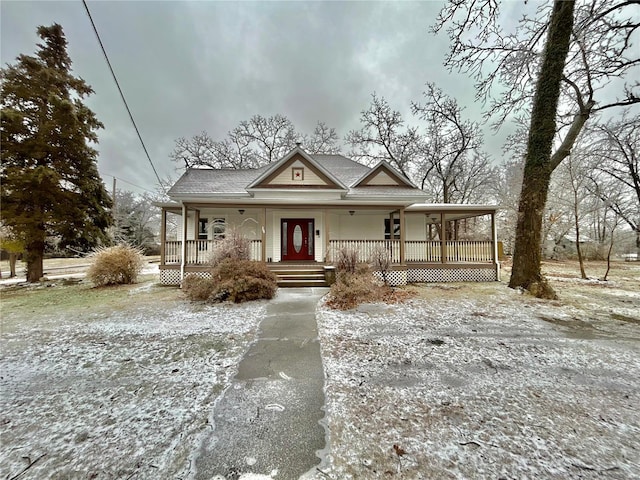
x,y
463,381
479,381
114,382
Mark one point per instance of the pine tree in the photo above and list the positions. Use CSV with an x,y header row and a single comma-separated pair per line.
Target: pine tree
x,y
50,181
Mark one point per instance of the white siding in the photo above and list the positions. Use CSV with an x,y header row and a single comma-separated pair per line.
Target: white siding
x,y
415,227
360,226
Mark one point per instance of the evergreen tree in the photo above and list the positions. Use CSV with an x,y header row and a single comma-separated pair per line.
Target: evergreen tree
x,y
50,181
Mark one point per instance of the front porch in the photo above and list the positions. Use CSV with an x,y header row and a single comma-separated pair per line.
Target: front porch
x,y
283,236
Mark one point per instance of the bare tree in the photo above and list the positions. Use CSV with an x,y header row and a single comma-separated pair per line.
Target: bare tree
x,y
506,191
575,169
324,140
575,52
443,157
253,143
384,136
618,147
452,163
137,220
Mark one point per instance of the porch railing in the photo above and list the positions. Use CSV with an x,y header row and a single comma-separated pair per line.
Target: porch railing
x,y
419,251
198,252
364,248
469,251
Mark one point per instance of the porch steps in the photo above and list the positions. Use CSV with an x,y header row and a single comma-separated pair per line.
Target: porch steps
x,y
307,276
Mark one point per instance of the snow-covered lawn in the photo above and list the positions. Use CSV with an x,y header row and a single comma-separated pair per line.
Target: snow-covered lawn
x,y
112,383
474,381
464,381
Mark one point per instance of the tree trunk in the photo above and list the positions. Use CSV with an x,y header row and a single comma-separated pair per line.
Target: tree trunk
x,y
34,256
12,264
576,219
537,171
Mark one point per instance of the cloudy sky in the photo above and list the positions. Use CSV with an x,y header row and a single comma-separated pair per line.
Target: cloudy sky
x,y
186,67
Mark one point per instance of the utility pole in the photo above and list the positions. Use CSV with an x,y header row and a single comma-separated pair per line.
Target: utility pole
x,y
113,208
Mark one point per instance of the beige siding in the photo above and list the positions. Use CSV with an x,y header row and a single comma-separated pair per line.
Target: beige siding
x,y
310,178
382,178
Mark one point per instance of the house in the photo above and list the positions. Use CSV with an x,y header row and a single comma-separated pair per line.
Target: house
x,y
299,211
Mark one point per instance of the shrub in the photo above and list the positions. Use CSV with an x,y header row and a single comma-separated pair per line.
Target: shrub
x,y
116,265
197,288
353,289
347,260
380,261
234,246
243,280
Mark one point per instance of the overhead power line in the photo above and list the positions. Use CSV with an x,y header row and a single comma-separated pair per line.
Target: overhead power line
x,y
130,183
115,79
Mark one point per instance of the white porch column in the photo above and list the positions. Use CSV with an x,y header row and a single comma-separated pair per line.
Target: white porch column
x,y
494,237
263,234
163,235
443,240
183,246
402,235
327,238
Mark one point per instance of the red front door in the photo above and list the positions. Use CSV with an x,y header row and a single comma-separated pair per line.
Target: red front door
x,y
297,239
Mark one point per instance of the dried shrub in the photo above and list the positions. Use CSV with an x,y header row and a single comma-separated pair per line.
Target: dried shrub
x,y
347,260
243,280
198,288
353,289
116,265
234,246
380,261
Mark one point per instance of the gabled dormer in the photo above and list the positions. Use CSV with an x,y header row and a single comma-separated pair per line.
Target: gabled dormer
x,y
383,175
297,170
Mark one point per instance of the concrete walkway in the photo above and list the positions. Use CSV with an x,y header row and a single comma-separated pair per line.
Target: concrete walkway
x,y
267,422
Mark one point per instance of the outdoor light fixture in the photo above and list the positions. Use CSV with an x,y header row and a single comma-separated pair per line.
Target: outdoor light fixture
x,y
351,212
241,210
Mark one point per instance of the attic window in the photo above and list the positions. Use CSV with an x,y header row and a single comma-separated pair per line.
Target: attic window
x,y
297,174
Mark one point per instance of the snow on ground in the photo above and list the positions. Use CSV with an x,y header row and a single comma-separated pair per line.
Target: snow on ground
x,y
117,392
480,381
465,381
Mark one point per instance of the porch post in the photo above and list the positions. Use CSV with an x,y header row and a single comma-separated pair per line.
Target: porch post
x,y
263,234
327,238
402,236
196,230
183,246
443,240
494,238
163,234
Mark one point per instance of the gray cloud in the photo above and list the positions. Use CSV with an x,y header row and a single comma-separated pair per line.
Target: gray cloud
x,y
191,66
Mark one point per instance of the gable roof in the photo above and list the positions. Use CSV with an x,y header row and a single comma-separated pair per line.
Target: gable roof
x,y
385,172
297,153
346,177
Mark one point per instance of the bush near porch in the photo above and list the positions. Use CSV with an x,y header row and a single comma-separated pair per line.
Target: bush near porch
x,y
356,284
234,277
